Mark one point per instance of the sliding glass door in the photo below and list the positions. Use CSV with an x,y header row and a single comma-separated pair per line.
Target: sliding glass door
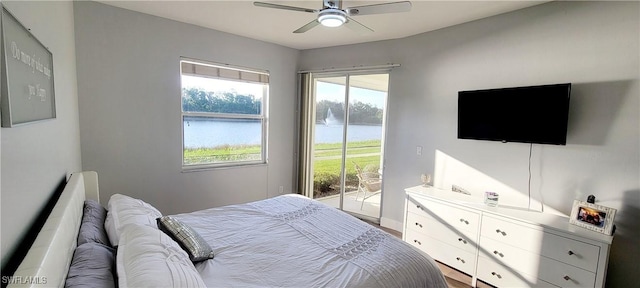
x,y
347,129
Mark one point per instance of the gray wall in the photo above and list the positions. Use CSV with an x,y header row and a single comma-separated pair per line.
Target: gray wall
x,y
593,45
130,121
37,157
128,87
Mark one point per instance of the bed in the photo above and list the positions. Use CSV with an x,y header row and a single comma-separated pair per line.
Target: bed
x,y
285,241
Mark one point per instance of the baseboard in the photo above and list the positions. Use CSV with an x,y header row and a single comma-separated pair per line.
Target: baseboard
x,y
391,224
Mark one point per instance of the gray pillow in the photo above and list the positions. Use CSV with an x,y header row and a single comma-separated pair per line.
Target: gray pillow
x,y
197,248
93,265
92,225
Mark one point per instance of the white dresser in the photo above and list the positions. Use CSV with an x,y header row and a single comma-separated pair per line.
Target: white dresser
x,y
504,246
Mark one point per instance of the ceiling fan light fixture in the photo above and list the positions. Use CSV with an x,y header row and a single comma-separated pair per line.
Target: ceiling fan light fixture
x,y
332,18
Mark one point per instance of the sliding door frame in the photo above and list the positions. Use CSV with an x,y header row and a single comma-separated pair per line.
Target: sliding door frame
x,y
306,134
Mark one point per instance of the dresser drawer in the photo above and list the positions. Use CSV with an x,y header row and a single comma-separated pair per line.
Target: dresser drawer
x,y
501,276
556,247
571,251
516,235
447,254
456,217
512,257
565,275
525,262
462,239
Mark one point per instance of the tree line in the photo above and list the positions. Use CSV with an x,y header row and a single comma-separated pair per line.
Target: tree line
x,y
359,113
196,100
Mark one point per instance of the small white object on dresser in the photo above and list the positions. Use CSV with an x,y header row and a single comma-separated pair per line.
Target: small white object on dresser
x,y
504,246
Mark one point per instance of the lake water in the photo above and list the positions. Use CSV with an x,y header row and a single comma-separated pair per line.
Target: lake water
x,y
212,133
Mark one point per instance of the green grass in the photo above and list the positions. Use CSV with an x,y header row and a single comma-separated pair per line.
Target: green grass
x,y
350,151
227,153
328,160
326,165
355,144
223,153
332,166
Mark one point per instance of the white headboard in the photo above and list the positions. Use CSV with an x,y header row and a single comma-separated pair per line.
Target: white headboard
x,y
48,259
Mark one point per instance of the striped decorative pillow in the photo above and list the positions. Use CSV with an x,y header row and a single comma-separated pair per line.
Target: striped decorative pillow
x,y
197,248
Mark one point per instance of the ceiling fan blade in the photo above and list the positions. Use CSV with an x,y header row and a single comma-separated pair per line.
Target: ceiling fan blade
x,y
394,7
307,27
357,26
284,7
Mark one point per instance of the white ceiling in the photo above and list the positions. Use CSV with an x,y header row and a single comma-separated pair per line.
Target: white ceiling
x,y
277,26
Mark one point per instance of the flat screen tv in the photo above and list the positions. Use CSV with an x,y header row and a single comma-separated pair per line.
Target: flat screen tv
x,y
534,114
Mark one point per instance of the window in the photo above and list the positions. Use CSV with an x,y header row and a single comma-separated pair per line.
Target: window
x,y
223,115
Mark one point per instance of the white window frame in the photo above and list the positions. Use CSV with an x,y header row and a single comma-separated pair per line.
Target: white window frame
x,y
227,73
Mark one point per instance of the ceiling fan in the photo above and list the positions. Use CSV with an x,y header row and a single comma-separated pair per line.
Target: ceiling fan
x,y
332,14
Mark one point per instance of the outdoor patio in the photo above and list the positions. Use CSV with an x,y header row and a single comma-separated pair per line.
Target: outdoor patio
x,y
370,208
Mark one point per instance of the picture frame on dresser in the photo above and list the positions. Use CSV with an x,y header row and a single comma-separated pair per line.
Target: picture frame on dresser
x,y
594,217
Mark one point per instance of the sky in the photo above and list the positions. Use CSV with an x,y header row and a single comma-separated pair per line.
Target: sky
x,y
335,93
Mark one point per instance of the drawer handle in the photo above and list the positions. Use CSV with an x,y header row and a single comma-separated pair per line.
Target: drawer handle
x,y
498,253
418,206
465,221
416,241
566,277
571,252
460,259
418,224
496,274
462,240
501,232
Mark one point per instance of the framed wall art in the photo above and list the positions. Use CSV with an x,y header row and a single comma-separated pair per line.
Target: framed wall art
x,y
27,90
592,216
